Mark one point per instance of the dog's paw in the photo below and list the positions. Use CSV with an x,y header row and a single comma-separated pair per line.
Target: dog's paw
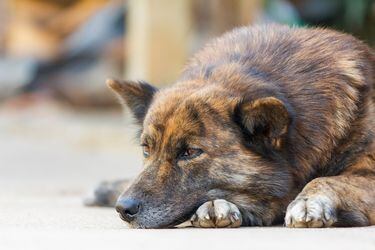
x,y
316,211
217,213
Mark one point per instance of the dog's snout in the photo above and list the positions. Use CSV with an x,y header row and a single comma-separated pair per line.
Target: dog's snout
x,y
128,208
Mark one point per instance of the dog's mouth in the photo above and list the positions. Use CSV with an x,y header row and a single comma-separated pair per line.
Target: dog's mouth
x,y
182,220
184,217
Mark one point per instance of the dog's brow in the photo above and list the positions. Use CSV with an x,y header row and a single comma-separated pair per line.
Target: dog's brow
x,y
159,127
195,117
146,138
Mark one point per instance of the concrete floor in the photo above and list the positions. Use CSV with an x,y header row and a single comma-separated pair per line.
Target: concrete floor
x,y
50,158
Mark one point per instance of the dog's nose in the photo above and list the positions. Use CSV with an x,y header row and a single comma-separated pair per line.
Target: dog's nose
x,y
128,208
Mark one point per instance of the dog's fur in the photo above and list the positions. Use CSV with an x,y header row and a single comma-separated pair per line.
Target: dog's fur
x,y
275,116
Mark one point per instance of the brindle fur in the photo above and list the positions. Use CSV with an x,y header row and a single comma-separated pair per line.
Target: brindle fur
x,y
278,112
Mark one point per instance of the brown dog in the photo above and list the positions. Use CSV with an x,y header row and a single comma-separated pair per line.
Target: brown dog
x,y
266,122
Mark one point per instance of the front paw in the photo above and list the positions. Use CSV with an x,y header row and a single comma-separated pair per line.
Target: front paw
x,y
315,211
217,213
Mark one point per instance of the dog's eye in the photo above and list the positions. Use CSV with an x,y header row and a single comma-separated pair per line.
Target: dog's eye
x,y
146,150
190,153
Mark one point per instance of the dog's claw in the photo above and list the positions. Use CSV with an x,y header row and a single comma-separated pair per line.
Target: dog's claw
x,y
193,218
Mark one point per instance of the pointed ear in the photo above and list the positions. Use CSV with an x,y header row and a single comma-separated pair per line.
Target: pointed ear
x,y
265,118
137,96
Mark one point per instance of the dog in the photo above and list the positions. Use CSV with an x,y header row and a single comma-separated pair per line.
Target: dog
x,y
267,124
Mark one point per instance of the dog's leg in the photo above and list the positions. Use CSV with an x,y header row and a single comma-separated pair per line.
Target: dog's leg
x,y
217,213
106,193
344,200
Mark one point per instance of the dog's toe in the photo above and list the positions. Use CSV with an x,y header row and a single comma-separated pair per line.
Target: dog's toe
x,y
217,213
316,211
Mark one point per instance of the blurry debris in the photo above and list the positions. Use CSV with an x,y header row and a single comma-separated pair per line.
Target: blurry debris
x,y
281,11
318,11
214,17
29,101
4,23
106,193
89,55
158,38
97,31
73,47
355,17
37,27
14,75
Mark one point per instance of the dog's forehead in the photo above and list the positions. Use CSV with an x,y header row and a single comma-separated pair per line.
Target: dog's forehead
x,y
178,113
174,121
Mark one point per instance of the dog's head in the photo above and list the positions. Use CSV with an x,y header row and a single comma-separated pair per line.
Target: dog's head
x,y
199,146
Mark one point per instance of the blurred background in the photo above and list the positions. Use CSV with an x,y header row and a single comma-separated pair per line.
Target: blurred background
x,y
64,49
60,127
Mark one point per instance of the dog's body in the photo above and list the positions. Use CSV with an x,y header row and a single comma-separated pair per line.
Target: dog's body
x,y
266,122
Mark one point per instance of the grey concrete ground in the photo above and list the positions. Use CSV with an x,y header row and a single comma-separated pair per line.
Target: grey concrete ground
x,y
49,159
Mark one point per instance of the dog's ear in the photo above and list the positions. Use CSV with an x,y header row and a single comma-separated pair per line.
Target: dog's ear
x,y
265,118
137,96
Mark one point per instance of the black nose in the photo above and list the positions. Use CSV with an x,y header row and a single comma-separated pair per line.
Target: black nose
x,y
128,208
